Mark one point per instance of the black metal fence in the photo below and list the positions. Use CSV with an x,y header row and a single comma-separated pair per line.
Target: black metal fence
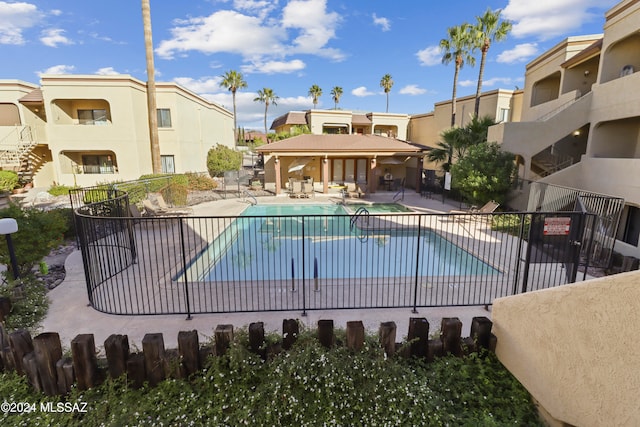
x,y
337,259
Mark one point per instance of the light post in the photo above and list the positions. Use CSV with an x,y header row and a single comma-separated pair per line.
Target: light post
x,y
9,226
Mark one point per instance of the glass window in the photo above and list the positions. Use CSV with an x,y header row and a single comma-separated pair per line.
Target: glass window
x,y
349,170
362,170
164,118
92,117
504,115
168,164
98,164
631,230
338,167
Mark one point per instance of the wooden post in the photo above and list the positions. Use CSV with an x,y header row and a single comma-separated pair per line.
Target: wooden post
x,y
173,368
48,351
481,332
30,367
66,377
388,337
434,349
189,350
290,331
325,333
451,336
5,308
85,364
224,336
355,335
6,355
116,348
154,358
21,344
256,337
136,371
418,336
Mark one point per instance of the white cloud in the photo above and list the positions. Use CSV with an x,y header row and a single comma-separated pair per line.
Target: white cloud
x,y
361,91
15,19
431,55
57,69
55,12
107,71
316,27
467,83
384,23
520,53
412,90
545,19
273,67
54,37
223,31
495,81
304,27
203,85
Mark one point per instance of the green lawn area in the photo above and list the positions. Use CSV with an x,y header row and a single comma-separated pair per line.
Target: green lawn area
x,y
306,385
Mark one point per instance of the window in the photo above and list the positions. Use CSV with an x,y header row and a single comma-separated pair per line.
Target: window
x,y
92,117
168,164
631,230
98,164
504,115
164,118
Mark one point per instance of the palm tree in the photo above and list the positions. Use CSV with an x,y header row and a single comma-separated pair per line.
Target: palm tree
x,y
315,92
456,141
336,93
458,48
488,29
267,96
154,140
386,83
233,81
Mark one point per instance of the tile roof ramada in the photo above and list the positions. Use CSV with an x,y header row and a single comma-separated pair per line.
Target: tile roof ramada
x,y
340,143
291,118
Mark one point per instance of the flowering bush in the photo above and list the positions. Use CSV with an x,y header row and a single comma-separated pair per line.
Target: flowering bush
x,y
306,386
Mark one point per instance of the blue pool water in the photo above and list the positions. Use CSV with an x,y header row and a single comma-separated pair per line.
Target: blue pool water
x,y
275,242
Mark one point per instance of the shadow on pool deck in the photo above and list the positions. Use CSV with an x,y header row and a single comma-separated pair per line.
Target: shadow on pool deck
x,y
70,313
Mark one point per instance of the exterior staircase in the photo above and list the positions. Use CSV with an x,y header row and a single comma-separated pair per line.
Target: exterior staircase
x,y
16,146
546,163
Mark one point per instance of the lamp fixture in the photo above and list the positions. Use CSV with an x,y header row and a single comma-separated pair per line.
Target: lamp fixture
x,y
576,133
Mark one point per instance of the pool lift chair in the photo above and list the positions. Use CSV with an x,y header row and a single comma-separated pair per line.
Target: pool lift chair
x,y
156,211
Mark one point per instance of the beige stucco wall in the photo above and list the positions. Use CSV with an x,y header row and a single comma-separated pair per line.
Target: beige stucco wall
x,y
575,348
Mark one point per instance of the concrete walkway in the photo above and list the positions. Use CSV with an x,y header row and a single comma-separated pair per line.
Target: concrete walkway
x,y
70,313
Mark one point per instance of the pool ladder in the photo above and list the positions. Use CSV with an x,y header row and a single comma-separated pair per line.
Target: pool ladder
x,y
360,212
252,199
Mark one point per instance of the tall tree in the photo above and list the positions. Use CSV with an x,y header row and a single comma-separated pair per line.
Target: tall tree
x,y
459,49
336,93
267,96
315,92
233,81
489,28
152,110
386,83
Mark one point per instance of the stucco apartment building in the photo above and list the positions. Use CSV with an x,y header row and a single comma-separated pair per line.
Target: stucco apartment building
x,y
88,129
580,120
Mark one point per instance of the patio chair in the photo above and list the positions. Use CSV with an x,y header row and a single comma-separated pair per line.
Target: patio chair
x,y
355,191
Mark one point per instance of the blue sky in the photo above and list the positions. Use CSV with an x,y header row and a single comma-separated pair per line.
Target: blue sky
x,y
286,45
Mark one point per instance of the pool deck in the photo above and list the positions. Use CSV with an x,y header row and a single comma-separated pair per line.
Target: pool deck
x,y
70,313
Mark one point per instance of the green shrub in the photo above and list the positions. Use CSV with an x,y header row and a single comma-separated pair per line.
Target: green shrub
x,y
38,232
8,180
175,194
222,159
60,190
29,303
199,182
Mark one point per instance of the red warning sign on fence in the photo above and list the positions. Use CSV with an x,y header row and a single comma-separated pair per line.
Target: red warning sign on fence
x,y
559,226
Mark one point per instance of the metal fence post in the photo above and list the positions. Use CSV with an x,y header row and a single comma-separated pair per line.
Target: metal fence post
x,y
415,286
304,284
184,269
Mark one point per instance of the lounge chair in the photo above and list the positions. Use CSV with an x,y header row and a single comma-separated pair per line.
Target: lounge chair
x,y
477,212
356,191
307,189
163,205
296,189
152,210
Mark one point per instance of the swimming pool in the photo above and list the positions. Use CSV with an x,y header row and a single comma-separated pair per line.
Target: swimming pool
x,y
382,208
280,242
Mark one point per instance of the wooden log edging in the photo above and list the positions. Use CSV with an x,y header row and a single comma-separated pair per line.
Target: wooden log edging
x,y
41,360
